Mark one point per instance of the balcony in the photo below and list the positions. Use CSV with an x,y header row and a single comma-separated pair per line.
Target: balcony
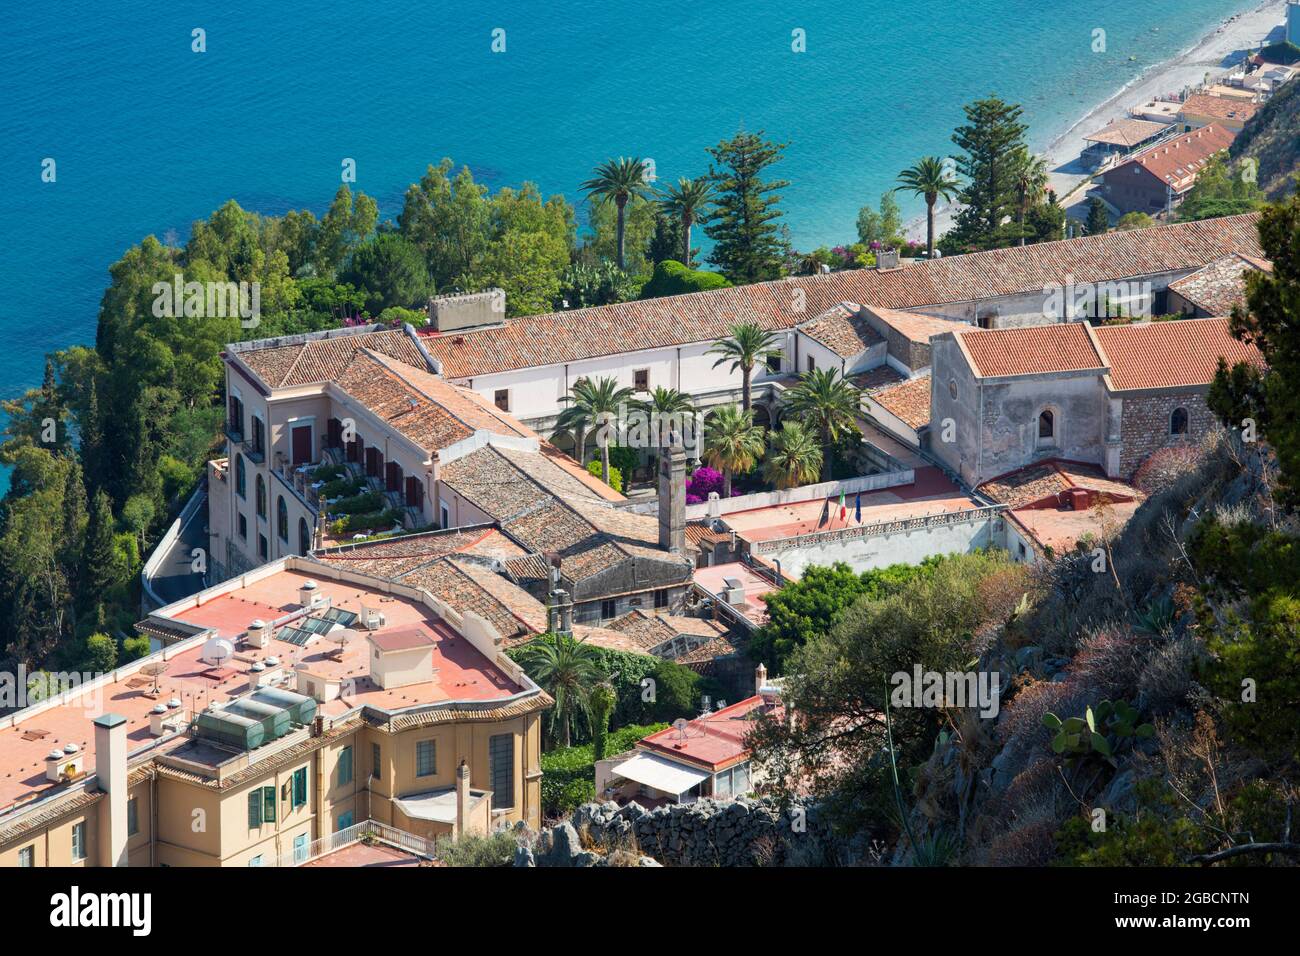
x,y
234,433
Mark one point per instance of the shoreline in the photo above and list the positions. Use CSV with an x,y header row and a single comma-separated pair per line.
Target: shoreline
x,y
1219,48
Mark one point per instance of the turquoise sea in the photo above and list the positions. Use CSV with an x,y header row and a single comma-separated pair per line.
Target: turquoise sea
x,y
148,135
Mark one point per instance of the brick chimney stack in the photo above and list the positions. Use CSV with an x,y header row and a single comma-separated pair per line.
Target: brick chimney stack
x,y
672,496
462,798
110,775
760,678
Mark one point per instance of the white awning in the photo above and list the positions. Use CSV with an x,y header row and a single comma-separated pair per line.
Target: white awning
x,y
663,775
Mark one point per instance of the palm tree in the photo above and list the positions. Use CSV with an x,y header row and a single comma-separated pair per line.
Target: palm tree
x,y
595,403
568,670
573,421
794,457
618,181
732,443
665,402
687,201
827,401
748,344
931,179
1031,183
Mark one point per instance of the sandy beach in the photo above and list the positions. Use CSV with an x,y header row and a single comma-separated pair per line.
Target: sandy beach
x,y
1223,47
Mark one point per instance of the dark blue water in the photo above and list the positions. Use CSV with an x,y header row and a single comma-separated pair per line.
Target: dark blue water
x,y
148,135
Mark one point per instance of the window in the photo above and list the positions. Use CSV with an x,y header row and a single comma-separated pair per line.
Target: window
x,y
501,763
501,398
722,784
1178,422
79,840
812,364
299,788
259,437
243,526
304,536
235,422
426,758
261,496
661,599
27,856
256,861
345,765
132,817
344,820
608,608
241,480
774,362
375,762
641,379
300,848
263,550
282,519
446,515
1046,425
740,780
261,806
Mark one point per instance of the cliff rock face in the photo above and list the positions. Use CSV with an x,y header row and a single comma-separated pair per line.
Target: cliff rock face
x,y
1272,138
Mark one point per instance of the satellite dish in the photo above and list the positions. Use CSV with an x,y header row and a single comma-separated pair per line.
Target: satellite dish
x,y
217,650
342,635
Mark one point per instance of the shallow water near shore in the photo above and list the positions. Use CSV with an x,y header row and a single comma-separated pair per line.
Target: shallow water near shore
x,y
148,135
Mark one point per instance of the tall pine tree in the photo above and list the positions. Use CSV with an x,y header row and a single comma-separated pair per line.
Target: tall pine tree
x,y
749,245
98,560
991,140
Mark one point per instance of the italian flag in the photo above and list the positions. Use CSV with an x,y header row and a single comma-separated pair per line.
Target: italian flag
x,y
843,510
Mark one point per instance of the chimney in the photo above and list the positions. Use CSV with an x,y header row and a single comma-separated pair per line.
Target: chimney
x,y
760,678
566,612
110,773
462,798
309,594
672,496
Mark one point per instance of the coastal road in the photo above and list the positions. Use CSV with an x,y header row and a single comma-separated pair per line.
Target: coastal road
x,y
174,577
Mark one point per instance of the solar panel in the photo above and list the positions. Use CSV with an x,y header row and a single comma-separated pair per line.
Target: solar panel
x,y
339,616
295,635
315,625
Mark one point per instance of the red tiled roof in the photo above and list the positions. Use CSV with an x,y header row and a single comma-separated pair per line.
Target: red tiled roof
x,y
1216,288
1219,107
1180,352
282,364
1030,350
716,740
842,330
1177,161
908,401
705,316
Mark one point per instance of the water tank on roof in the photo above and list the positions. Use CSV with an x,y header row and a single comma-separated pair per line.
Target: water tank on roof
x,y
276,721
230,730
302,709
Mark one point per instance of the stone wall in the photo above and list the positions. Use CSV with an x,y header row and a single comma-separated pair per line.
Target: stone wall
x,y
705,833
1144,425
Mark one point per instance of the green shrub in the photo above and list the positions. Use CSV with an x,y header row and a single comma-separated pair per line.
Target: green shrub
x,y
178,478
342,487
134,647
672,278
497,849
328,472
615,476
365,503
569,773
367,521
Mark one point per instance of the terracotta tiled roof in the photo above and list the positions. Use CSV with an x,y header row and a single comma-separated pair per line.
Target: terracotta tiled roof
x,y
909,401
321,359
1048,478
705,316
842,330
466,586
878,377
1216,288
1219,107
1177,161
385,393
1126,132
1030,350
1180,352
696,638
913,325
393,557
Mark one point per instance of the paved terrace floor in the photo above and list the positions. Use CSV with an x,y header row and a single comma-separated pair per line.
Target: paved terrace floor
x,y
362,854
931,493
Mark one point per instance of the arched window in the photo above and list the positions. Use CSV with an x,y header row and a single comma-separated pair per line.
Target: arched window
x,y
282,519
241,481
304,536
1046,425
261,496
1178,421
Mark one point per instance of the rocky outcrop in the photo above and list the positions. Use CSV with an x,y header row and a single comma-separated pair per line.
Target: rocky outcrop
x,y
705,833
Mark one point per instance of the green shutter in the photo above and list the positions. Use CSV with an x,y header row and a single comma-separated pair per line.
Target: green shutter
x,y
268,804
300,787
255,808
345,765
